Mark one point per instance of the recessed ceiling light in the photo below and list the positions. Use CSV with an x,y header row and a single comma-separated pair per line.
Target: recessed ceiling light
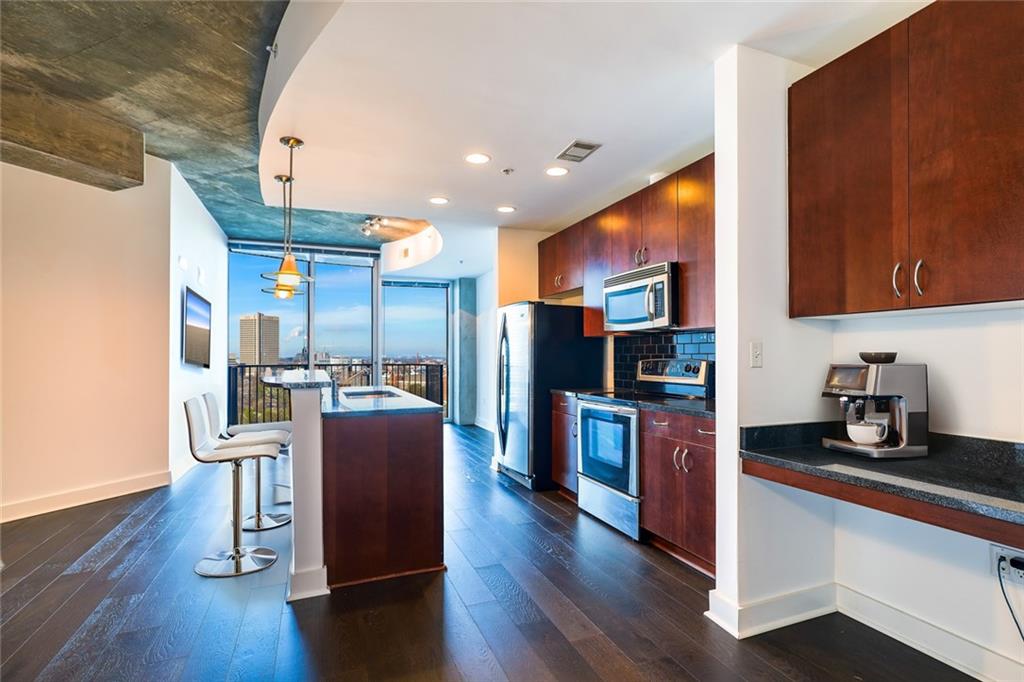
x,y
557,171
506,209
477,158
439,201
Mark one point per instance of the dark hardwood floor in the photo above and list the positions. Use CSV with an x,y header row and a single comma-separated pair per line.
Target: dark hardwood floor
x,y
534,591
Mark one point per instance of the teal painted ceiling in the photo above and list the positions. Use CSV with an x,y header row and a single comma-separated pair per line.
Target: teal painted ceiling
x,y
189,75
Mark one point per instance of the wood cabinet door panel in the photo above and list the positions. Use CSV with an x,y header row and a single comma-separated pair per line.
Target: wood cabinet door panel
x,y
695,189
547,263
967,152
660,217
848,192
596,266
570,257
699,494
622,223
563,449
663,488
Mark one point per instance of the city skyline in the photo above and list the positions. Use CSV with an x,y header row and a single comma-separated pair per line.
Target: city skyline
x,y
415,318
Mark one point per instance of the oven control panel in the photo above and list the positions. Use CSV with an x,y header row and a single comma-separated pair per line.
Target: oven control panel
x,y
673,371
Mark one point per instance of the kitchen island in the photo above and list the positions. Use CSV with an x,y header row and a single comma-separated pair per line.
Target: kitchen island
x,y
366,483
382,485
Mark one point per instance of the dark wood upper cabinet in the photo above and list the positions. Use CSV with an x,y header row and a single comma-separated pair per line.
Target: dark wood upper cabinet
x,y
906,167
967,153
570,255
695,191
622,223
560,262
596,266
848,207
660,217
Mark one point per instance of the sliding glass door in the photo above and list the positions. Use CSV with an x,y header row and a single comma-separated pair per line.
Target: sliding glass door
x,y
417,322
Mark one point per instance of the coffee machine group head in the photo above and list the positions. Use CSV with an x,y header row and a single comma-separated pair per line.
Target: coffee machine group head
x,y
885,407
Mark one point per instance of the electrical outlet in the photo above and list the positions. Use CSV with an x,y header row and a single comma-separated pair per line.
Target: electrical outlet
x,y
757,354
1010,574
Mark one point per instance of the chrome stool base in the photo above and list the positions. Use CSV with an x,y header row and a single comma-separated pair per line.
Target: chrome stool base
x,y
261,521
230,563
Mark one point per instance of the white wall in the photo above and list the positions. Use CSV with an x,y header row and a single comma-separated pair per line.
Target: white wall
x,y
85,275
975,364
196,237
774,544
946,602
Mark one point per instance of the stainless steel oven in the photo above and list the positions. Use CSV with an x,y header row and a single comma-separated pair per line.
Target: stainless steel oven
x,y
608,464
641,299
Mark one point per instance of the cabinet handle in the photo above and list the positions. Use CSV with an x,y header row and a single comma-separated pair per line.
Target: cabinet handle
x,y
683,459
643,255
674,462
705,433
895,286
917,269
636,256
575,430
658,423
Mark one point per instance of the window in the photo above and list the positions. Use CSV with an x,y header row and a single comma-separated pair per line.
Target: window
x,y
416,339
343,321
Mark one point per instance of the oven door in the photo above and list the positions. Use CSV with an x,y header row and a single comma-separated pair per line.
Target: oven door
x,y
637,305
607,446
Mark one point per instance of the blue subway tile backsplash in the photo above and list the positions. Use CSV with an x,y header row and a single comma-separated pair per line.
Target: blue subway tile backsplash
x,y
629,350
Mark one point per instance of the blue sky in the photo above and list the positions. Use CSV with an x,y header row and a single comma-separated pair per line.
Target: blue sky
x,y
414,318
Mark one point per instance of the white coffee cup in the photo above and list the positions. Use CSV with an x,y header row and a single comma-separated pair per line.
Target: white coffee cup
x,y
867,433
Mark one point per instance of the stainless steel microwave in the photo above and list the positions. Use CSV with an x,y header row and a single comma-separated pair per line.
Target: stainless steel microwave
x,y
641,299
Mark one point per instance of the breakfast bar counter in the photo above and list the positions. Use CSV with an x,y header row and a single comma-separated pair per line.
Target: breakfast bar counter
x,y
367,483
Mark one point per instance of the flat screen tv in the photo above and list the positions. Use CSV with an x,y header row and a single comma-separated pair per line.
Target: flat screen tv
x,y
195,322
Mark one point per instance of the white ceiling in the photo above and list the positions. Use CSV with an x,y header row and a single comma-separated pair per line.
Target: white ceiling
x,y
390,97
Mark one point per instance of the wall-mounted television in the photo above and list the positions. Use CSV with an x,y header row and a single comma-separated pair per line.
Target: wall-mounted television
x,y
195,332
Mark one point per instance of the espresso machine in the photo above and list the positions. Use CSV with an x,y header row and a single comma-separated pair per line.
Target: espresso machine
x,y
885,407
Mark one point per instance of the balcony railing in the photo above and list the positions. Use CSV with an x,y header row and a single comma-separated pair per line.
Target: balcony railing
x,y
250,401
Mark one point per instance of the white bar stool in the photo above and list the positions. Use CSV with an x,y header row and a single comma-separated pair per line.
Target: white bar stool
x,y
258,520
240,559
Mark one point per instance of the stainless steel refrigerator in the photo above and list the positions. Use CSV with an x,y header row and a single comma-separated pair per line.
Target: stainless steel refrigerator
x,y
540,347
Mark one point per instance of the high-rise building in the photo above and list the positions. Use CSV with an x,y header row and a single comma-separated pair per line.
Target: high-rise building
x,y
259,341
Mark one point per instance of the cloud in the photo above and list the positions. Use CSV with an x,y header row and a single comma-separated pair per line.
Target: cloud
x,y
296,333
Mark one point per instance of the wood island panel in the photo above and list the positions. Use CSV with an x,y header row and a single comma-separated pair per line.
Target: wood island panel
x,y
383,496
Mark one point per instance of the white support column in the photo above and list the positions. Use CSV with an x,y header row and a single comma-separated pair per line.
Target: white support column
x,y
775,561
308,572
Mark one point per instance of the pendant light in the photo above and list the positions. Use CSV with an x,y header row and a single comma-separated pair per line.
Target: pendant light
x,y
287,278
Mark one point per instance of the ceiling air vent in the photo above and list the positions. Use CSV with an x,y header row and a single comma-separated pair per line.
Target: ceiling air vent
x,y
578,150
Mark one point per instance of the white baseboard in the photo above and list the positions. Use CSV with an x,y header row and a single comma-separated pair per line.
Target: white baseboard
x,y
308,583
11,511
771,613
950,648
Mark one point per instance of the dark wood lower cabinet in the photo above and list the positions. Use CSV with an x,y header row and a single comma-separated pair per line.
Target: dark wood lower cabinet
x,y
383,496
563,450
678,498
699,501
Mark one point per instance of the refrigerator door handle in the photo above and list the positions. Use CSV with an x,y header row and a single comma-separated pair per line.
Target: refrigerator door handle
x,y
502,393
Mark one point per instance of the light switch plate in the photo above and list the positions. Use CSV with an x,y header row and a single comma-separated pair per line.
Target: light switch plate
x,y
757,354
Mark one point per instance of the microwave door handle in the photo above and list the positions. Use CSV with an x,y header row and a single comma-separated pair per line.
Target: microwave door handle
x,y
649,300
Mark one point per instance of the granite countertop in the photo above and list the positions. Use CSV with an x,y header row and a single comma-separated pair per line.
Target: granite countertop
x,y
360,401
299,378
975,475
697,407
